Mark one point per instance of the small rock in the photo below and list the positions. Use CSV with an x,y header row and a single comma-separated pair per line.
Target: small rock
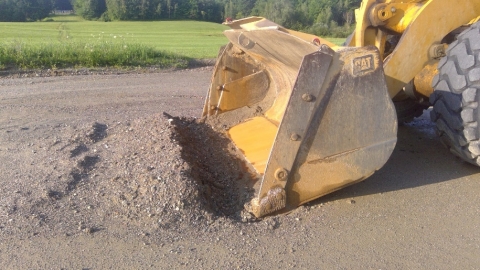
x,y
351,201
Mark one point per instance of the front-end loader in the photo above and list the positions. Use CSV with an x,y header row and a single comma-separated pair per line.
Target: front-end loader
x,y
310,117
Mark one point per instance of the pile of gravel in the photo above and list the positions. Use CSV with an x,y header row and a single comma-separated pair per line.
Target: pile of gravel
x,y
159,173
225,180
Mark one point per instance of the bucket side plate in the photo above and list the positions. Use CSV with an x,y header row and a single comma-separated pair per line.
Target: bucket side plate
x,y
348,135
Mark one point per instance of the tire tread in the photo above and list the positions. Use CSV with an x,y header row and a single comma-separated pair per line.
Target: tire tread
x,y
456,96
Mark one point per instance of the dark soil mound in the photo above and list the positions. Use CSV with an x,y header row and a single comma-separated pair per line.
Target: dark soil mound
x,y
225,181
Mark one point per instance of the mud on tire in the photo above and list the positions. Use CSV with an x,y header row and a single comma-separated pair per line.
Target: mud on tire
x,y
457,94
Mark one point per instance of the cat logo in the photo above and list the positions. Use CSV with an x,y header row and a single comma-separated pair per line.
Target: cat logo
x,y
363,65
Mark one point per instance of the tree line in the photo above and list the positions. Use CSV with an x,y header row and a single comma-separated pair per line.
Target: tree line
x,y
204,10
24,10
321,17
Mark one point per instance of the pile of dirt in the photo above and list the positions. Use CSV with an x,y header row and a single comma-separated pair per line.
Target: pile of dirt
x,y
158,173
215,164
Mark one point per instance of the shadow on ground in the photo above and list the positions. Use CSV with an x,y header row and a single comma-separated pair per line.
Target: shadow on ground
x,y
419,159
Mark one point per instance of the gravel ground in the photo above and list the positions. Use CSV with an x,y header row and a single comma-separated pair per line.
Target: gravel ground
x,y
115,171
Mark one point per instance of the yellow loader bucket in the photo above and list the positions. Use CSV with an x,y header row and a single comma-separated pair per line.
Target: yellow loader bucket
x,y
309,119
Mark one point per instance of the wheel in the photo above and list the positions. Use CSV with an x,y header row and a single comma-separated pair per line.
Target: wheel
x,y
457,95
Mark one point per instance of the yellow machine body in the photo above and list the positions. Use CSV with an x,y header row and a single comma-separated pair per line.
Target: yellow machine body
x,y
311,117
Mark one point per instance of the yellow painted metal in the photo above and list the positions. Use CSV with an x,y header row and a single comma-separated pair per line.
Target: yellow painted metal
x,y
254,138
257,83
433,22
422,23
423,80
282,58
474,20
333,155
363,30
271,89
391,15
314,39
349,125
240,78
260,23
394,16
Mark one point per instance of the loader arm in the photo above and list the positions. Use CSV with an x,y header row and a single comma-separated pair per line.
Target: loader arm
x,y
422,26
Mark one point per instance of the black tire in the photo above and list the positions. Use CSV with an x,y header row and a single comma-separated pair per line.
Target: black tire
x,y
457,95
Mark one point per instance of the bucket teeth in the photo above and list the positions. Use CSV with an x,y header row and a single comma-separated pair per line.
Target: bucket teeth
x,y
275,200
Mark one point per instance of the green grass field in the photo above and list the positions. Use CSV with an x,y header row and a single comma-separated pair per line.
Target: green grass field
x,y
65,38
189,38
